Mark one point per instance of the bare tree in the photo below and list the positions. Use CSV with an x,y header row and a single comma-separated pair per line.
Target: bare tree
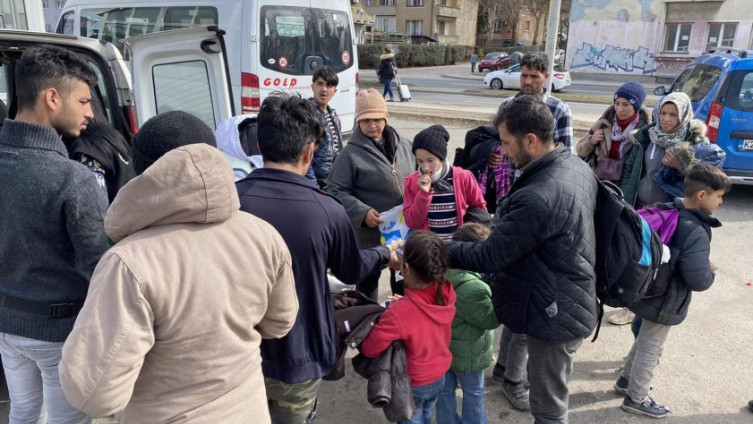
x,y
509,11
487,16
539,9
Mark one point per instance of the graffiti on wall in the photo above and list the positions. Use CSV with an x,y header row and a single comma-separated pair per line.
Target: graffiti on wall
x,y
617,58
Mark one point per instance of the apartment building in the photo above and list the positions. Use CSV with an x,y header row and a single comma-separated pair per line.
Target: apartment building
x,y
442,21
502,32
653,37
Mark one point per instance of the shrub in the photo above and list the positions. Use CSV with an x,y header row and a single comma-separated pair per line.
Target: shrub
x,y
413,55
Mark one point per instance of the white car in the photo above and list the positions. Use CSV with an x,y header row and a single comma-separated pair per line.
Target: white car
x,y
510,78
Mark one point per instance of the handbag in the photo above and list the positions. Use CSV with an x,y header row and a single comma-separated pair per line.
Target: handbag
x,y
607,168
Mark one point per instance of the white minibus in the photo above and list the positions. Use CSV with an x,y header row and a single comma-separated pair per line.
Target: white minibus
x,y
272,45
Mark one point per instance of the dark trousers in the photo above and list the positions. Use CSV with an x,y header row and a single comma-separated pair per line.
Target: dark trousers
x,y
550,366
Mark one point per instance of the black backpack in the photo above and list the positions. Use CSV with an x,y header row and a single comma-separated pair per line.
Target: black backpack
x,y
628,251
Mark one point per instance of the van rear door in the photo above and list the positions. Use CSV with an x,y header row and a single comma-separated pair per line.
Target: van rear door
x,y
184,70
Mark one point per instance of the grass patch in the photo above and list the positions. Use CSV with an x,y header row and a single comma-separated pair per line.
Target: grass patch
x,y
568,97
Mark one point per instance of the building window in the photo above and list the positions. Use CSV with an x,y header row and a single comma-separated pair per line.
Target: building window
x,y
45,4
414,3
386,2
498,25
386,24
527,26
61,3
721,35
442,2
677,38
441,28
414,27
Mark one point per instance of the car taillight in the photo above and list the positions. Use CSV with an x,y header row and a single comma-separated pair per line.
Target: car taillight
x,y
559,76
250,100
133,122
712,121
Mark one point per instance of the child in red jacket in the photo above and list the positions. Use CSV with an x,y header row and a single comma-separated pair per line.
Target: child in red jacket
x,y
422,319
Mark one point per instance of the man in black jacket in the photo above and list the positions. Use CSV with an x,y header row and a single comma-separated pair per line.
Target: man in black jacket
x,y
542,251
319,235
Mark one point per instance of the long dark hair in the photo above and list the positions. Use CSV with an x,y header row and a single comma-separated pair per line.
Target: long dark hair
x,y
426,255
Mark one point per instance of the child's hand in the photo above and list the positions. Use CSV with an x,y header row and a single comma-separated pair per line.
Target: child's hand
x,y
713,267
394,297
424,183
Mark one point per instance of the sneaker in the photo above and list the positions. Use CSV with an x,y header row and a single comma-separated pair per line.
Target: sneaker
x,y
621,386
750,405
498,374
648,408
517,395
391,99
621,318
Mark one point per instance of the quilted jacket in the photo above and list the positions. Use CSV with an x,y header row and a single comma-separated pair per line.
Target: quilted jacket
x,y
542,250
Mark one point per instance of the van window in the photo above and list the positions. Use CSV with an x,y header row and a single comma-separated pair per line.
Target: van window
x,y
66,24
740,95
114,25
699,82
298,40
184,86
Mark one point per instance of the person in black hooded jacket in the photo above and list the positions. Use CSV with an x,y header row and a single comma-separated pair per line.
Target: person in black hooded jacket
x,y
542,251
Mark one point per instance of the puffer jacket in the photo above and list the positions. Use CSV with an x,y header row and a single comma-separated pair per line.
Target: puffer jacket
x,y
667,300
585,148
324,155
633,170
474,322
362,178
542,250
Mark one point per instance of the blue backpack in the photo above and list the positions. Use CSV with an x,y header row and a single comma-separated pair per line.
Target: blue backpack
x,y
628,251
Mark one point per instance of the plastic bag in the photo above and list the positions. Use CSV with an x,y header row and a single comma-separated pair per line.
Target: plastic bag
x,y
393,227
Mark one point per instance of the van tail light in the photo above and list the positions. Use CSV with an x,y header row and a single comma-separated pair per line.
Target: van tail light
x,y
713,120
559,76
133,122
250,100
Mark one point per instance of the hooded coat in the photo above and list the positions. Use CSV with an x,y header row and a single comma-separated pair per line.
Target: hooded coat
x,y
176,310
229,142
385,70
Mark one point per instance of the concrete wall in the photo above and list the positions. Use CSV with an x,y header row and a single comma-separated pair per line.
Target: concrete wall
x,y
627,36
465,25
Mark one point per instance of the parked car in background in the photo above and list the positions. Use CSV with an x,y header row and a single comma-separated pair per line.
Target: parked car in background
x,y
510,78
494,61
559,56
720,86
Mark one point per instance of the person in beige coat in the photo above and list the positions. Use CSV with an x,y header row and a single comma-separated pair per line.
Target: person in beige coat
x,y
176,310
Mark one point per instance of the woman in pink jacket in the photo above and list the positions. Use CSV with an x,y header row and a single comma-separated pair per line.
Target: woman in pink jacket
x,y
438,195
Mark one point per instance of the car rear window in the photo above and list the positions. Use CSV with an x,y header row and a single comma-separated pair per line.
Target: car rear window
x,y
698,82
491,56
740,93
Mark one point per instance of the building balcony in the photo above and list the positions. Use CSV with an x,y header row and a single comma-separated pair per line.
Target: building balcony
x,y
448,39
362,18
447,12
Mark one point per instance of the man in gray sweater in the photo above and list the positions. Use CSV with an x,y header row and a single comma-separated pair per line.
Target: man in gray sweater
x,y
51,232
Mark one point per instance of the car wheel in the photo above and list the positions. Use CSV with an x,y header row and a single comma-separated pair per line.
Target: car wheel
x,y
496,84
554,89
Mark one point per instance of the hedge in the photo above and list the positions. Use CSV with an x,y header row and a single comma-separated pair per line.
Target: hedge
x,y
414,55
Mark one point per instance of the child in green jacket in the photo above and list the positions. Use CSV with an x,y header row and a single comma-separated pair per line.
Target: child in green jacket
x,y
472,336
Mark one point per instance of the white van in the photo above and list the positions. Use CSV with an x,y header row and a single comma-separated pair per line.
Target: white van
x,y
272,45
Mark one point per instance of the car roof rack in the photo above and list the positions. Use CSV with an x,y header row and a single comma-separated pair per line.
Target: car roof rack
x,y
732,51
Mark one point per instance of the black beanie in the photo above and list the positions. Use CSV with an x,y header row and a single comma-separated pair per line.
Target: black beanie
x,y
433,139
166,132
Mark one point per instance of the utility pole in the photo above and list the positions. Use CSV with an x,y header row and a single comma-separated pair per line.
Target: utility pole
x,y
552,32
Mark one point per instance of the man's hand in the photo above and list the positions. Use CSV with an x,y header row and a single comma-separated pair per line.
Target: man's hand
x,y
396,260
597,137
424,183
495,160
373,219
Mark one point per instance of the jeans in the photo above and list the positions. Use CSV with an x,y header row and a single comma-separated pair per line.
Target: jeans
x,y
550,366
425,398
513,354
388,88
473,67
31,371
635,326
644,357
474,411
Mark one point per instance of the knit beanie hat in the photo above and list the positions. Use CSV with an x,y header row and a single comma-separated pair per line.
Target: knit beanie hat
x,y
633,92
165,132
434,140
370,105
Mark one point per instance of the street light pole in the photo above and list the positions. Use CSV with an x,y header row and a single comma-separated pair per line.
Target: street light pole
x,y
551,37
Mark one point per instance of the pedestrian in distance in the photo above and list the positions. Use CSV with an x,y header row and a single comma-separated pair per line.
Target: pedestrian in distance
x,y
173,321
541,250
606,146
387,72
324,86
319,234
664,143
106,153
472,335
368,176
438,196
52,231
474,60
422,319
667,301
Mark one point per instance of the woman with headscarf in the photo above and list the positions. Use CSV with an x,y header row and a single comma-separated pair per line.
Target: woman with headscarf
x,y
368,174
667,142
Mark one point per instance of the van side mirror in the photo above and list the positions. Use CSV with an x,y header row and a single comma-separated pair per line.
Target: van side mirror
x,y
660,90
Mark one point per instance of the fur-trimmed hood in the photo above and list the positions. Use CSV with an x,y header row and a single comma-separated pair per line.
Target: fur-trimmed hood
x,y
386,56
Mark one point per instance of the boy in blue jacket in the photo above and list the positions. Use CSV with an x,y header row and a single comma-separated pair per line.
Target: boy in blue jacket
x,y
667,300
